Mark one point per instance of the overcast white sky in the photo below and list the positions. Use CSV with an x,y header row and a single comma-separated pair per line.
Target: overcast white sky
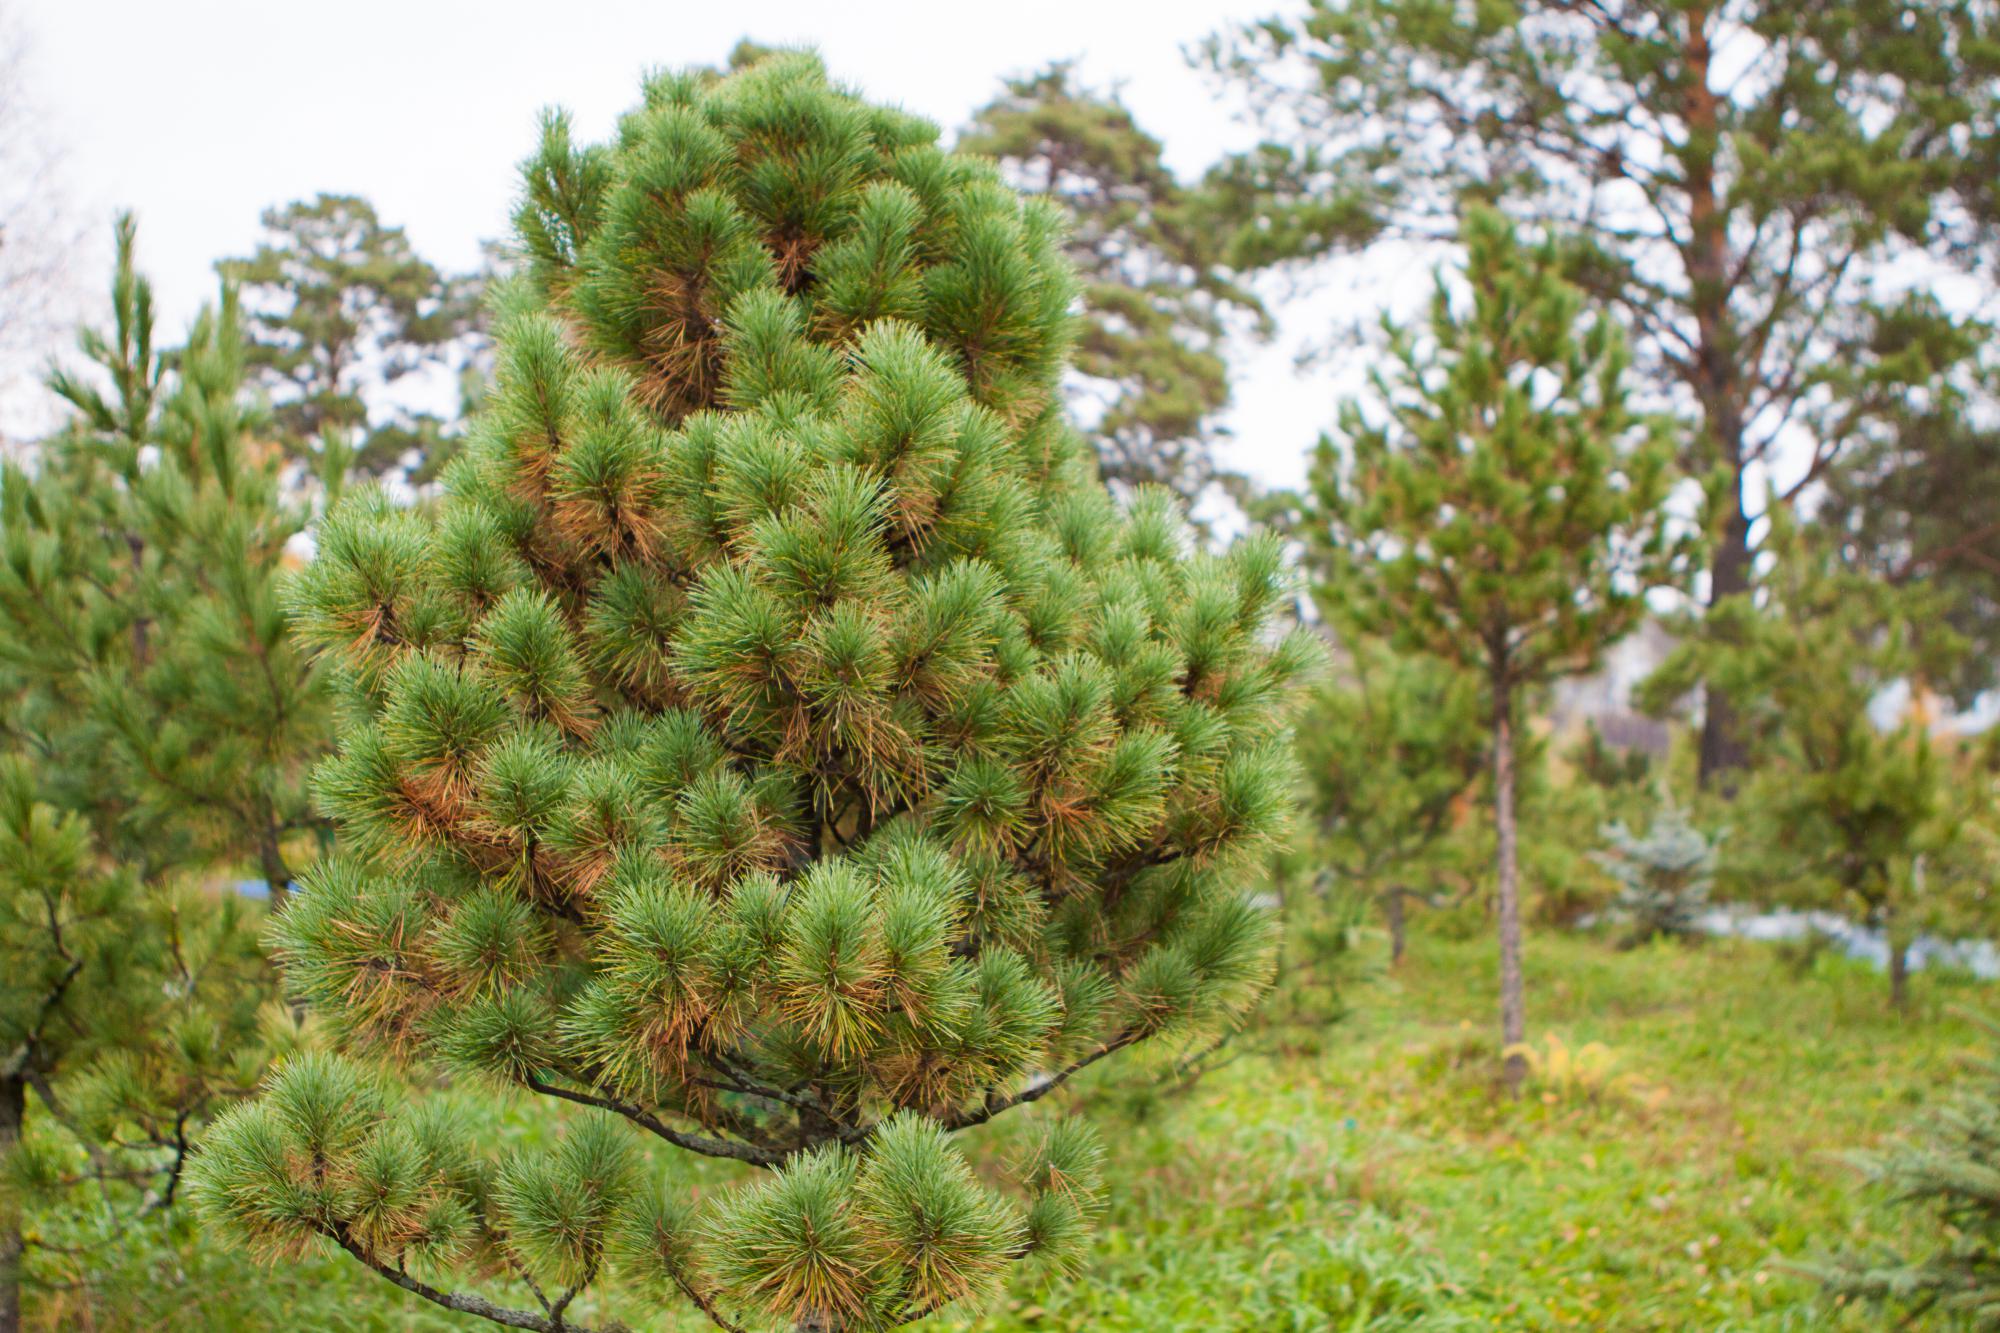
x,y
198,114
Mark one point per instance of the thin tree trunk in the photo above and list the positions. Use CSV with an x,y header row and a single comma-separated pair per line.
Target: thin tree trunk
x,y
1513,1012
817,1323
1394,908
1899,967
13,1108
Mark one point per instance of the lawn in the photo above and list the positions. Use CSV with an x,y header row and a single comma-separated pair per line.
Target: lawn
x,y
1365,1175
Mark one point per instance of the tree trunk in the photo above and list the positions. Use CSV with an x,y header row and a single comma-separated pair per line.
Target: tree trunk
x,y
1716,370
1394,909
1722,752
817,1323
1899,969
13,1108
1513,1013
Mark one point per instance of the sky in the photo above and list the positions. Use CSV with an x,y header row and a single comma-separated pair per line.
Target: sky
x,y
199,114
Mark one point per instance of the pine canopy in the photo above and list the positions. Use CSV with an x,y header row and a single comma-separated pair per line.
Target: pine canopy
x,y
777,740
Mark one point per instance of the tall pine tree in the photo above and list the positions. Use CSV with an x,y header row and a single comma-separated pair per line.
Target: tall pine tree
x,y
1738,182
159,727
1497,505
338,303
778,743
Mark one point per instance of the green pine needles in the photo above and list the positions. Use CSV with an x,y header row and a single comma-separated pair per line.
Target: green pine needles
x,y
777,741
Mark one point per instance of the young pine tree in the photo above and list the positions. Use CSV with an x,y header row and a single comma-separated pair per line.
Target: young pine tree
x,y
1390,753
159,728
1941,1173
1499,507
777,744
1850,809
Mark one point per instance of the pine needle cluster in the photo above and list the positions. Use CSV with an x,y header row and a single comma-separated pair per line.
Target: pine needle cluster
x,y
778,740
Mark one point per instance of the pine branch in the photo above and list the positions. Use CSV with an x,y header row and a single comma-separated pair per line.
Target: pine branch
x,y
553,1322
695,1143
993,1105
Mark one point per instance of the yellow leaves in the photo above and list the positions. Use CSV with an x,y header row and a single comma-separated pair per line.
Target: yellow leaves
x,y
1589,1073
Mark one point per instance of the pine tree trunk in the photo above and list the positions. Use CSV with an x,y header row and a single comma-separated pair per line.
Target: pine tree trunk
x,y
1722,753
13,1109
1513,1012
1393,907
1899,971
817,1323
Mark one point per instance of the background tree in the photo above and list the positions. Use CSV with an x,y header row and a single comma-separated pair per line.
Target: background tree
x,y
1497,505
1854,810
1664,875
1937,1173
1922,501
158,730
39,236
779,743
1158,301
1735,180
1391,751
336,303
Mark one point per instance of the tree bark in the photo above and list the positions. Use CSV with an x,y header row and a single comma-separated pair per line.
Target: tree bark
x,y
13,1109
1722,752
817,1323
1718,374
1395,909
1899,970
1513,1011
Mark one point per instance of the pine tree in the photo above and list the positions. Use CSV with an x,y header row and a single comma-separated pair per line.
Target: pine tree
x,y
1158,301
1391,753
159,728
1664,875
1852,810
338,302
1940,1173
1739,183
1919,502
778,742
1498,506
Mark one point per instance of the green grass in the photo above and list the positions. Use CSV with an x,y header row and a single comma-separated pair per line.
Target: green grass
x,y
1367,1176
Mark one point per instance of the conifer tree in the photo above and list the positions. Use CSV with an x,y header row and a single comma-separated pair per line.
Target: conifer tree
x,y
158,727
1854,810
1391,753
1158,300
1664,875
1497,505
1739,184
1940,1173
778,743
336,299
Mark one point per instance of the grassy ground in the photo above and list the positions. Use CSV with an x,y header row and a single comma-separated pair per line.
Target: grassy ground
x,y
1365,1176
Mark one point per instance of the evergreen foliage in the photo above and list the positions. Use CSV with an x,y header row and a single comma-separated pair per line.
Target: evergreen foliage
x,y
1391,753
1664,876
159,729
777,741
337,301
1856,809
1157,297
1941,1172
1500,507
1743,185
